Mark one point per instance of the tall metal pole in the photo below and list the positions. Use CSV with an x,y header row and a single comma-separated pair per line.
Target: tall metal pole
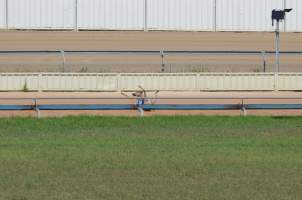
x,y
146,15
284,24
76,26
6,14
277,69
215,15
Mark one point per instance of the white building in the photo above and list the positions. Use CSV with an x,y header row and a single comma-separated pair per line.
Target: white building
x,y
189,15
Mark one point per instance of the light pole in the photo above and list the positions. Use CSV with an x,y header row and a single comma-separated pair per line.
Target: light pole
x,y
278,16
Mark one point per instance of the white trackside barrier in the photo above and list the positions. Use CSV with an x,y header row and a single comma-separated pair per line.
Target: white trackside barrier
x,y
150,81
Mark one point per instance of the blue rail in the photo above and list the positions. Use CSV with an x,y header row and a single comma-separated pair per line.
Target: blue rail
x,y
17,107
153,107
88,107
273,106
193,107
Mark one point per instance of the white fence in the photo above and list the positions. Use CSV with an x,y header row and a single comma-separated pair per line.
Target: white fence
x,y
191,15
151,81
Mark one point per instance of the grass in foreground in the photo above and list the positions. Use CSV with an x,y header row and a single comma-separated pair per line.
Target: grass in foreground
x,y
151,158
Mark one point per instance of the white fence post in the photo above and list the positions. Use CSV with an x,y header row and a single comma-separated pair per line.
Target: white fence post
x,y
40,87
197,84
276,82
118,82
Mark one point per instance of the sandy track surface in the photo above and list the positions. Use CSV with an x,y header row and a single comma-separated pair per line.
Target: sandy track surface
x,y
214,95
117,40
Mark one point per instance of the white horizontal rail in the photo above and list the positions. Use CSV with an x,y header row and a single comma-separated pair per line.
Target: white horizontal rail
x,y
150,81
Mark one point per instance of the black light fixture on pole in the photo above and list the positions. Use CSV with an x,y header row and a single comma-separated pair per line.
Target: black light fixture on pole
x,y
278,16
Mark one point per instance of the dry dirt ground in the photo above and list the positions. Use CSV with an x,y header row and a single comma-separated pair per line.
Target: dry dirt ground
x,y
214,95
132,40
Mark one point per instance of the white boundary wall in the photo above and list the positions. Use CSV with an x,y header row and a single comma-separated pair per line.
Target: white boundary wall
x,y
180,15
188,15
151,81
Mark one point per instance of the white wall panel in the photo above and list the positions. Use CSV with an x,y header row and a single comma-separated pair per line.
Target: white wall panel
x,y
41,14
158,81
294,18
111,14
16,82
246,15
236,81
2,13
78,82
290,81
181,15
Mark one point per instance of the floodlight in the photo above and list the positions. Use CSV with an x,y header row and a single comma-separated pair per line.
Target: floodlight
x,y
288,10
278,16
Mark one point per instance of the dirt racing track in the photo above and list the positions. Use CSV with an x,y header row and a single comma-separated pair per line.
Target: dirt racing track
x,y
116,40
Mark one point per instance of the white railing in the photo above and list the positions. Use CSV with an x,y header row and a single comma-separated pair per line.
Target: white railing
x,y
150,81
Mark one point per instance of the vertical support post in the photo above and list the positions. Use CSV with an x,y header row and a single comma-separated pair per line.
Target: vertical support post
x,y
162,55
215,15
63,60
197,84
276,82
263,60
40,87
284,24
146,15
277,69
118,82
76,26
6,14
243,109
37,110
141,111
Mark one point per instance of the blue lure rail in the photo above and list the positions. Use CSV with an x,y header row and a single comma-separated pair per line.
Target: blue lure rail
x,y
153,107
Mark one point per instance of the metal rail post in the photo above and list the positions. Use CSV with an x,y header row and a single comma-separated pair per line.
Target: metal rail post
x,y
277,68
146,15
76,26
263,60
6,14
63,59
36,108
141,111
284,24
162,55
243,109
215,15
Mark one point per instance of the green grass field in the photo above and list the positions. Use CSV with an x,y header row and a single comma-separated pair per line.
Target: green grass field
x,y
85,158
